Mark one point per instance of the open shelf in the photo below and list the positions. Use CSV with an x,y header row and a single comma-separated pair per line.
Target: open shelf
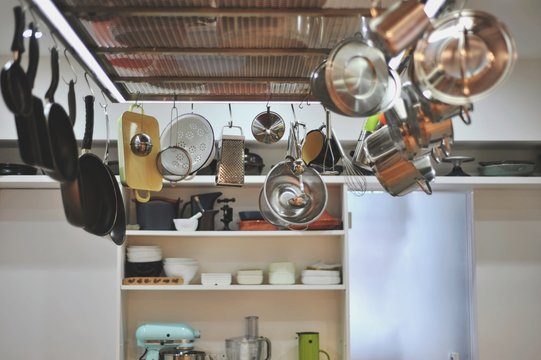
x,y
296,287
235,234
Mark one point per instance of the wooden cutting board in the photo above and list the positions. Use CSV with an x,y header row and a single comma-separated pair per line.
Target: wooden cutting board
x,y
138,172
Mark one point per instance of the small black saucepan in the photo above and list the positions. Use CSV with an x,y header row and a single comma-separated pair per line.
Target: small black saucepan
x,y
15,88
61,137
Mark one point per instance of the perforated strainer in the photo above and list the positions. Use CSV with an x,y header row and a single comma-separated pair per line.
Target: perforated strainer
x,y
174,162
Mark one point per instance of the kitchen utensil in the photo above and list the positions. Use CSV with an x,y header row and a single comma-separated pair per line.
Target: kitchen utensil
x,y
184,268
256,225
231,157
250,277
141,142
251,345
158,336
37,123
359,157
506,168
464,58
309,346
183,354
96,185
26,129
118,232
281,185
268,127
174,162
72,103
250,215
157,213
14,84
457,164
63,145
138,172
318,87
355,180
193,133
216,279
17,169
189,224
356,76
145,268
400,26
436,8
253,163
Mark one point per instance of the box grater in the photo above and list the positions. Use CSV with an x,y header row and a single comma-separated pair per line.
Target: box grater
x,y
230,170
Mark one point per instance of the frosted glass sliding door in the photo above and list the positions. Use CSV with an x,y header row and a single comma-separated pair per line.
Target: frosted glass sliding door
x,y
411,277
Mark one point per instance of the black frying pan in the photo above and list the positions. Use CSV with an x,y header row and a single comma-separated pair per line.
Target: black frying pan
x,y
15,88
118,232
25,133
97,186
36,123
61,137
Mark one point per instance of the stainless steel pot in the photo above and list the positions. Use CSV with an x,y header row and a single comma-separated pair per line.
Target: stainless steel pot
x,y
183,354
464,58
356,77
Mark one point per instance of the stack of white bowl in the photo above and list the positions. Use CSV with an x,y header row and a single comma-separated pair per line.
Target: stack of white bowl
x,y
185,268
282,273
144,253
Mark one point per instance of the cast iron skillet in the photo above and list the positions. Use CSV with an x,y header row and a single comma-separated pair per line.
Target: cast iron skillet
x,y
36,123
23,122
61,137
15,88
96,184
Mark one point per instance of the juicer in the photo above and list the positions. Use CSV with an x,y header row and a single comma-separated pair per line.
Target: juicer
x,y
250,346
157,336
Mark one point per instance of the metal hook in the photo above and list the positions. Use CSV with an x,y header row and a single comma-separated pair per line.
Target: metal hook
x,y
174,108
305,99
137,98
71,66
105,101
269,94
54,40
88,83
192,108
230,123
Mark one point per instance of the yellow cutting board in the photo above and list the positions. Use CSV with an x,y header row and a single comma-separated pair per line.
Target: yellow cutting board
x,y
138,172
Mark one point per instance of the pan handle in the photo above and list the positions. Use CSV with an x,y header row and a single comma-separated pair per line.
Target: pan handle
x,y
33,56
142,198
89,125
17,45
55,75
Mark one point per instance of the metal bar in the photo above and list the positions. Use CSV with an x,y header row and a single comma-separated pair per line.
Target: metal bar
x,y
211,51
222,97
207,80
175,11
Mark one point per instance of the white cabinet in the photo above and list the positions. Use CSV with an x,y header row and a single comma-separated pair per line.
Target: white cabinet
x,y
219,311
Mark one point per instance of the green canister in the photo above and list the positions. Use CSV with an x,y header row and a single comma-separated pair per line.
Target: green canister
x,y
309,346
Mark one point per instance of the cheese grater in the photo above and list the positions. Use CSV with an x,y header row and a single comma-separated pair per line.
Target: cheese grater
x,y
230,170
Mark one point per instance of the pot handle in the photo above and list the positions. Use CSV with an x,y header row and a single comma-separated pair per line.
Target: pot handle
x,y
142,198
269,352
465,115
326,354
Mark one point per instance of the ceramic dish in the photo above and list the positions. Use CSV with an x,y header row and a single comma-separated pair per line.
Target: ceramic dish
x,y
506,168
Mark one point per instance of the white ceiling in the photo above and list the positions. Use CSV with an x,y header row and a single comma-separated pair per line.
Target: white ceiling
x,y
522,17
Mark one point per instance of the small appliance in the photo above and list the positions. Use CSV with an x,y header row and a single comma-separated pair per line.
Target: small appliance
x,y
250,346
309,346
157,336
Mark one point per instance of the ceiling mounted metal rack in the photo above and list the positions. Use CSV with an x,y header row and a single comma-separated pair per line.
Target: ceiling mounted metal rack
x,y
213,50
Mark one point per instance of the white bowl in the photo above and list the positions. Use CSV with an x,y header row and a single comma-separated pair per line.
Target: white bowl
x,y
186,224
187,272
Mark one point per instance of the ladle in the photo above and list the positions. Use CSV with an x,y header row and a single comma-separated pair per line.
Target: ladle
x,y
141,143
302,200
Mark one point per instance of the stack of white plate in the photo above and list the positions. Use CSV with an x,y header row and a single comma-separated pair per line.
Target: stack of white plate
x,y
185,268
216,279
320,277
141,253
250,277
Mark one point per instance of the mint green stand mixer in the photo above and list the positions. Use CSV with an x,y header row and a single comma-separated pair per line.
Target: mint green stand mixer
x,y
158,336
309,346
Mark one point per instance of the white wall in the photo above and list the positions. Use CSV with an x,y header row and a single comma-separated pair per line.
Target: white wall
x,y
508,258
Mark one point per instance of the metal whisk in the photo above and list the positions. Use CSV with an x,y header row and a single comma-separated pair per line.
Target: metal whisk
x,y
329,157
355,180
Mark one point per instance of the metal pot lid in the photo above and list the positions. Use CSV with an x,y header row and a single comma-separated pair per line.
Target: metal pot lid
x,y
193,133
357,77
466,55
268,127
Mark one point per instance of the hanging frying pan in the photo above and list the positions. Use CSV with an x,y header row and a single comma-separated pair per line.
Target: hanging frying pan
x,y
24,124
96,184
15,88
37,123
118,232
61,137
